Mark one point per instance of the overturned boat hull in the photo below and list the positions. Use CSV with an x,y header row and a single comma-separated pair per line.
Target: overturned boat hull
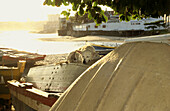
x,y
48,82
133,77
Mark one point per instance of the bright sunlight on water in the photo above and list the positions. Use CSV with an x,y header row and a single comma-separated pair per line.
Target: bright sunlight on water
x,y
25,41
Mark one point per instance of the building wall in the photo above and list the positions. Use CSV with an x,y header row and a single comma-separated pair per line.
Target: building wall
x,y
53,18
132,25
53,23
117,26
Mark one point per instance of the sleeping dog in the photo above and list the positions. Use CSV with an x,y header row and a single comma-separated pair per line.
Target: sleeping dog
x,y
84,55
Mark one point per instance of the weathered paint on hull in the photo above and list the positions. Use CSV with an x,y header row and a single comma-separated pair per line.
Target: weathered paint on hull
x,y
50,78
23,98
101,49
20,106
10,73
5,98
55,78
10,57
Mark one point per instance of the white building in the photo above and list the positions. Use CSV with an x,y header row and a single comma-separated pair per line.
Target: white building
x,y
116,25
52,24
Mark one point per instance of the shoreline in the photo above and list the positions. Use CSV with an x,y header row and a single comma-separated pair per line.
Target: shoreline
x,y
54,58
85,38
158,38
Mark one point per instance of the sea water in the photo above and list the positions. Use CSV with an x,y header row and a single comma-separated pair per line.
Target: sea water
x,y
25,41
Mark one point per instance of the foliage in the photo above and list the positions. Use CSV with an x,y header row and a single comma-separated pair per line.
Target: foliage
x,y
82,19
66,13
128,9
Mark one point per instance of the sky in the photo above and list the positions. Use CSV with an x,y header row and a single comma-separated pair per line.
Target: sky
x,y
26,10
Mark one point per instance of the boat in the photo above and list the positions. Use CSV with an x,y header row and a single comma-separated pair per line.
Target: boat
x,y
102,49
133,77
4,95
6,74
10,57
27,98
43,85
46,81
10,73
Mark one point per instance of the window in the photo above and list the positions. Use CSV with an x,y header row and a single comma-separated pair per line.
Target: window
x,y
95,26
104,26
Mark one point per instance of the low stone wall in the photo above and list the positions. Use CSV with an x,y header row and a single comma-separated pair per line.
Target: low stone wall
x,y
109,33
133,33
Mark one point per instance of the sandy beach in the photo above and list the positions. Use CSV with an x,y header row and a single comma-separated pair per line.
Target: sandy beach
x,y
54,58
86,38
159,38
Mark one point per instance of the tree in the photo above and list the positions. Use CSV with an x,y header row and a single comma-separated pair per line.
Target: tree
x,y
128,9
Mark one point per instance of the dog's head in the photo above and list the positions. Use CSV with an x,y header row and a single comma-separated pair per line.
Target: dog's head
x,y
75,57
87,47
87,56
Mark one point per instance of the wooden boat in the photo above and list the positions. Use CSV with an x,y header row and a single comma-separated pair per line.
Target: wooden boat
x,y
6,74
10,57
10,73
25,97
102,49
5,98
44,84
123,80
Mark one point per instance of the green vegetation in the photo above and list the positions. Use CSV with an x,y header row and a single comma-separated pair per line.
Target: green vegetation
x,y
128,9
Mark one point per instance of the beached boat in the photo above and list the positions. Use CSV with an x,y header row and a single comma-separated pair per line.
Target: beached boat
x,y
4,95
133,77
6,74
44,84
102,49
47,84
27,98
10,73
10,57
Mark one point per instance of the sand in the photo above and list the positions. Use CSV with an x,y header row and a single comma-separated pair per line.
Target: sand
x,y
134,77
85,38
164,38
52,59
